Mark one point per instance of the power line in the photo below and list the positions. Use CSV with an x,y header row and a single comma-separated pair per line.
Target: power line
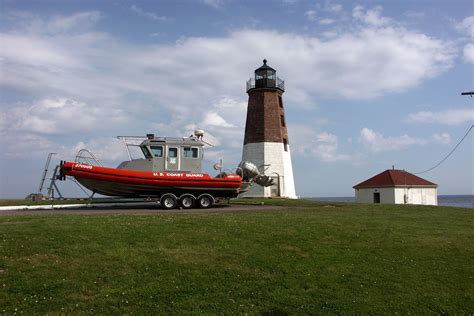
x,y
450,153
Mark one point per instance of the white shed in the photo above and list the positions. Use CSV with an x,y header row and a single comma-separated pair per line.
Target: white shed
x,y
396,187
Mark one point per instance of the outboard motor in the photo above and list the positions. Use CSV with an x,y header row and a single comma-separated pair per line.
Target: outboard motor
x,y
250,173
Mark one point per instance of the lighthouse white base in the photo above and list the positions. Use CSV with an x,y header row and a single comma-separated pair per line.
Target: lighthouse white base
x,y
274,161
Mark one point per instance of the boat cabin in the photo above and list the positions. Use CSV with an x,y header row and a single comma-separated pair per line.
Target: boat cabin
x,y
166,154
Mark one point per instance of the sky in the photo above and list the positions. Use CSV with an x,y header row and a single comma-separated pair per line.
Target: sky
x,y
368,84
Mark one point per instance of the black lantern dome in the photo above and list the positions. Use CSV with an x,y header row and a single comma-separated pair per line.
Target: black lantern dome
x,y
265,77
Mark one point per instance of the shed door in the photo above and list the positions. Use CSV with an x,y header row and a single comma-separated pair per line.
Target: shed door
x,y
377,197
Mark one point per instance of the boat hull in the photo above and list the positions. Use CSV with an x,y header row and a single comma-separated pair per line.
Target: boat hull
x,y
132,183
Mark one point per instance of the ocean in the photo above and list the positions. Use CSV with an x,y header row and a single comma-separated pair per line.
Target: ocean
x,y
466,201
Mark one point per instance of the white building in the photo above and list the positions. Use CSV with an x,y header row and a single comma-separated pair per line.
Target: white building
x,y
396,187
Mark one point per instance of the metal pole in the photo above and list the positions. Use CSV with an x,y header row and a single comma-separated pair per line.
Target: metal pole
x,y
46,166
470,93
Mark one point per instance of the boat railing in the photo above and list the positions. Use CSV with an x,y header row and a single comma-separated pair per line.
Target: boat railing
x,y
85,156
131,141
266,83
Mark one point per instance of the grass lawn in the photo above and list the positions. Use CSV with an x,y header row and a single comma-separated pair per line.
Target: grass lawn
x,y
316,258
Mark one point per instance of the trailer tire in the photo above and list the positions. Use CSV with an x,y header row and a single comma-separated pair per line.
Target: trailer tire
x,y
168,201
187,201
205,200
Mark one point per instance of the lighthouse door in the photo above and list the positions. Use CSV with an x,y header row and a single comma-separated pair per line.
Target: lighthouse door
x,y
172,158
275,187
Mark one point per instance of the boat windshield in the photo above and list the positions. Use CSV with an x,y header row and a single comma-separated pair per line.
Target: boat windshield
x,y
145,151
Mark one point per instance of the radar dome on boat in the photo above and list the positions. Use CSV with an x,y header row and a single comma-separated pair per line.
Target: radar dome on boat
x,y
199,133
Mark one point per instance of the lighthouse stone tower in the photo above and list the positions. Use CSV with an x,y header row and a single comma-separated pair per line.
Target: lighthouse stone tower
x,y
266,141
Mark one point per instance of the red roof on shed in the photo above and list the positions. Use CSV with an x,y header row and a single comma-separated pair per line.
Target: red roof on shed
x,y
392,178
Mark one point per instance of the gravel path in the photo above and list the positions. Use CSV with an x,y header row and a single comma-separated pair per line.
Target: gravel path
x,y
142,210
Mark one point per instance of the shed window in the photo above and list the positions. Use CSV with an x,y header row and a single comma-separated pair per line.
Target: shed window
x,y
157,151
190,152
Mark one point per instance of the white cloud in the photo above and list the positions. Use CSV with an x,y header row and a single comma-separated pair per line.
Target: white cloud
x,y
449,117
371,17
311,15
216,4
214,119
468,53
21,146
150,15
377,142
35,52
61,24
57,24
225,110
389,59
143,87
334,7
467,26
105,149
309,143
443,138
415,14
62,116
326,21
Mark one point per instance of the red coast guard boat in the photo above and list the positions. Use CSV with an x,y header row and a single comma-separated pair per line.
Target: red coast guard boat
x,y
170,170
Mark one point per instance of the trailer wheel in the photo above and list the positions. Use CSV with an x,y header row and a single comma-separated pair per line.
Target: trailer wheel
x,y
205,201
168,201
187,201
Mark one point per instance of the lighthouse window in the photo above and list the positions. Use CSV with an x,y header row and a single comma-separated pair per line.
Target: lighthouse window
x,y
157,151
285,144
190,152
280,101
282,118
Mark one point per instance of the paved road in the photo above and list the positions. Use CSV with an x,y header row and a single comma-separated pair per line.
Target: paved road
x,y
142,210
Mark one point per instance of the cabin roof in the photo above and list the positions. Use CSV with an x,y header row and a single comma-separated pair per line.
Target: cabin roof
x,y
392,178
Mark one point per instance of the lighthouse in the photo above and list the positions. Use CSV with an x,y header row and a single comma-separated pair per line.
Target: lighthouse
x,y
266,142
